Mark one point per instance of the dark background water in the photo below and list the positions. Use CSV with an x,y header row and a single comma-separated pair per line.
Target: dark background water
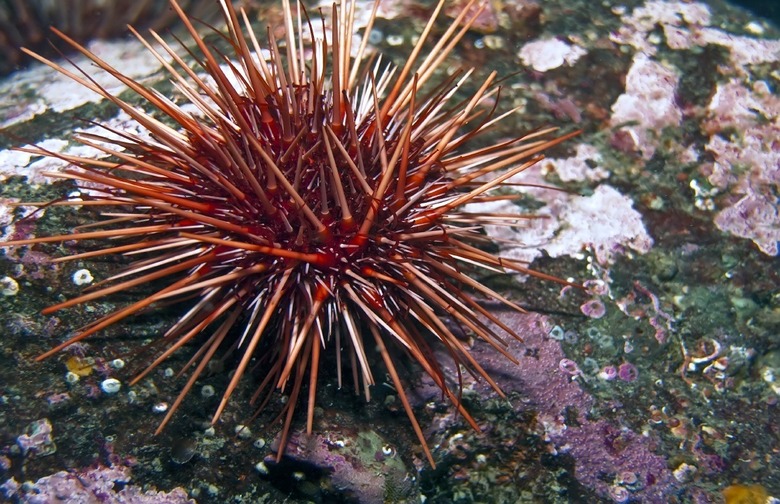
x,y
769,9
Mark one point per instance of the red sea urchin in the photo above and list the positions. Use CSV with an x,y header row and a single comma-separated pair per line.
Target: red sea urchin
x,y
307,202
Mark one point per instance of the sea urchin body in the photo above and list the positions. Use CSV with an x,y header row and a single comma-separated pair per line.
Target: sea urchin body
x,y
309,203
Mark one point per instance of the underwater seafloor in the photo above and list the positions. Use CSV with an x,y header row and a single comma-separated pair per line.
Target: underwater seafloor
x,y
659,383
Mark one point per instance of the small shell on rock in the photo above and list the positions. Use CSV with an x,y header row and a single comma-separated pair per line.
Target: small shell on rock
x,y
82,277
8,286
110,385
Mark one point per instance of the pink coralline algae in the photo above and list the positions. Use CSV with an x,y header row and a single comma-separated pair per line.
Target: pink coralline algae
x,y
361,466
585,165
487,19
602,449
685,25
546,54
649,103
16,163
91,486
562,108
6,213
742,116
681,21
747,165
37,439
604,222
35,169
58,398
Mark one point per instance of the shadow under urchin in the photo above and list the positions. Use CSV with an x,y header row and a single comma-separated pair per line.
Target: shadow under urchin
x,y
310,198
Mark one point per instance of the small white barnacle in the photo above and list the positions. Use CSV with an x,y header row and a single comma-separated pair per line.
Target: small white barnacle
x,y
82,277
8,286
160,407
110,385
